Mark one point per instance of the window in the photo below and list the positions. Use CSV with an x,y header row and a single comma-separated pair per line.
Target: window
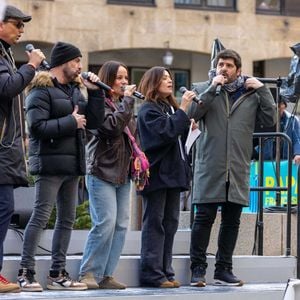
x,y
181,78
268,6
206,4
259,68
291,7
278,7
132,2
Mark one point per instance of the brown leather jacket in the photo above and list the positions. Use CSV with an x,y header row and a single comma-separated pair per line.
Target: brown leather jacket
x,y
109,151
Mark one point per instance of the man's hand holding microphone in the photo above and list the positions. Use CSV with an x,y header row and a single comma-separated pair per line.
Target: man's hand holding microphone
x,y
35,57
90,79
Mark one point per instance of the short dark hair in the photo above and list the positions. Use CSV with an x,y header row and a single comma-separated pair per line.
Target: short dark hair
x,y
229,53
282,101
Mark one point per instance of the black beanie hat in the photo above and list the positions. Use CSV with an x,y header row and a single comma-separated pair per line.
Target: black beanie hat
x,y
62,53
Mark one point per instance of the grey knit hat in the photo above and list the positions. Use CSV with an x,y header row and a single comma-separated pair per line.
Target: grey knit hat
x,y
62,53
15,13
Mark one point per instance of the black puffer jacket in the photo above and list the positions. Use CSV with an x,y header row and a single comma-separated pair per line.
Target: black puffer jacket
x,y
56,146
12,158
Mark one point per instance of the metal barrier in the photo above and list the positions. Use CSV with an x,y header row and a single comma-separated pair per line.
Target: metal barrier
x,y
298,223
261,188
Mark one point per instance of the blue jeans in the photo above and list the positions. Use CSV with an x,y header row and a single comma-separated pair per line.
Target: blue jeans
x,y
6,211
62,190
109,209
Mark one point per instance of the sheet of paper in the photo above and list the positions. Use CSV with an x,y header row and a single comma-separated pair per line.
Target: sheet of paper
x,y
191,138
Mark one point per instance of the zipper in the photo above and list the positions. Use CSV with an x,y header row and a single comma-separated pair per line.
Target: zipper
x,y
3,130
227,133
181,148
229,112
240,100
23,134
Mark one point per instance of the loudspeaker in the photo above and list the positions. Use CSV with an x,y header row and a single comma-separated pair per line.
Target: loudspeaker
x,y
24,201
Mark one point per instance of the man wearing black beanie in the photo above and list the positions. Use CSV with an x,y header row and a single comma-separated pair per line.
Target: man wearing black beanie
x,y
62,53
57,115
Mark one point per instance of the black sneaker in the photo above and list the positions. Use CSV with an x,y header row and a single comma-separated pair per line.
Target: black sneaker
x,y
27,281
198,276
225,277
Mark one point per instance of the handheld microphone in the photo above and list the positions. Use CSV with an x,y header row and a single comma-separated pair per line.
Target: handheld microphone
x,y
183,89
138,95
135,93
44,63
100,84
218,89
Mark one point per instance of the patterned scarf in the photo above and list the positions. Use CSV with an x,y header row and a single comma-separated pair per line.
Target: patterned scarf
x,y
235,85
230,87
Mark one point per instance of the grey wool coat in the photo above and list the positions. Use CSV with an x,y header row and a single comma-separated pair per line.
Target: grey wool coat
x,y
224,148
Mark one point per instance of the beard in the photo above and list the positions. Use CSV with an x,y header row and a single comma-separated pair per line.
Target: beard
x,y
70,74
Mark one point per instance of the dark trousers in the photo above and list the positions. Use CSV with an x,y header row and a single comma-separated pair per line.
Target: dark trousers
x,y
160,223
6,211
204,218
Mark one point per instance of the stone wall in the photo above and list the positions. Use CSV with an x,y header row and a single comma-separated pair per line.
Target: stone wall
x,y
94,25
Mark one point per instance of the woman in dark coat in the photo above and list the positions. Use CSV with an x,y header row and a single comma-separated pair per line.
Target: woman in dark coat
x,y
162,127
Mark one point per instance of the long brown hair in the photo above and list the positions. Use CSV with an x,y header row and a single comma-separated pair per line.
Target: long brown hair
x,y
108,72
150,83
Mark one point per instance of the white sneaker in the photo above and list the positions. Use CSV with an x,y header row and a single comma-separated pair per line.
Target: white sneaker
x,y
61,281
27,281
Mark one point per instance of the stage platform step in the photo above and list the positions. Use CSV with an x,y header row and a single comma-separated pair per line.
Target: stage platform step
x,y
251,269
271,291
265,276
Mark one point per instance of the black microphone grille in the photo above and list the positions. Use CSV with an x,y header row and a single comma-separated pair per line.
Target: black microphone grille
x,y
29,47
85,75
182,89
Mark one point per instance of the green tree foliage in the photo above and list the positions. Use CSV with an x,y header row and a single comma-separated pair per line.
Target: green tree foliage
x,y
83,218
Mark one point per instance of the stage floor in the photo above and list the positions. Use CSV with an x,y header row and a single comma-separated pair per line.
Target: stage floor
x,y
272,291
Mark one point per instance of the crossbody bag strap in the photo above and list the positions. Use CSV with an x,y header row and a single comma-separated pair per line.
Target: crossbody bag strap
x,y
126,130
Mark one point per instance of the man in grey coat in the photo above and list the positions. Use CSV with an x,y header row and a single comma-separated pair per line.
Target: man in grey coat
x,y
222,165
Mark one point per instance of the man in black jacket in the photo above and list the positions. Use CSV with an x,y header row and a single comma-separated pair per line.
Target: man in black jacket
x,y
57,114
12,83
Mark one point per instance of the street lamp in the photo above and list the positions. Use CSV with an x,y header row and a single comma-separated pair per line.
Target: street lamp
x,y
168,56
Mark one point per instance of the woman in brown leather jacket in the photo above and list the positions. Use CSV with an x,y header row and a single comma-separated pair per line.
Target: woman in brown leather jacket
x,y
109,155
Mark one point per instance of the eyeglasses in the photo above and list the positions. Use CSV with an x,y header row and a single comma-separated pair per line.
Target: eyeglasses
x,y
17,24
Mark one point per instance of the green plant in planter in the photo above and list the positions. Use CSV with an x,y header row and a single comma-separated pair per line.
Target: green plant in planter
x,y
31,179
82,219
